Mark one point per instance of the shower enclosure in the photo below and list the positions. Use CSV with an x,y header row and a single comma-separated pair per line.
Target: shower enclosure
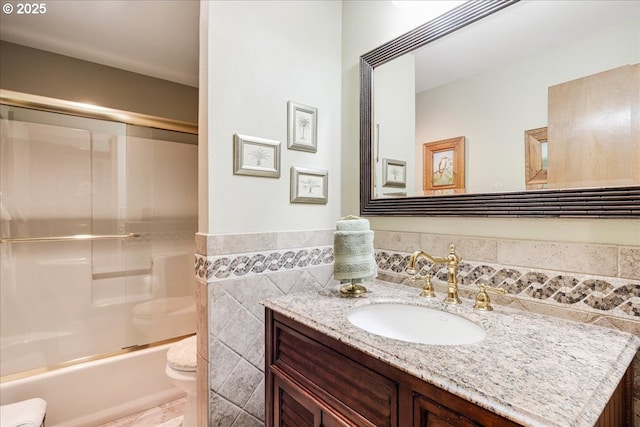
x,y
97,224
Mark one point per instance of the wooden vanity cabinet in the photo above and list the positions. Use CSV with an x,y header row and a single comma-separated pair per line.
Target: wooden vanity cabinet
x,y
314,380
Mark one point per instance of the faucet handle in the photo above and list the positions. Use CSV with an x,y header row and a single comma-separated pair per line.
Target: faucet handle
x,y
483,302
427,288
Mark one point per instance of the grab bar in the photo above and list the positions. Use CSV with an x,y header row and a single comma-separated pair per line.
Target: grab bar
x,y
76,237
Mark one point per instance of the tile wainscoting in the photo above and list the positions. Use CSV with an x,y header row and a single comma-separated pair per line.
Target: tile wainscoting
x,y
234,273
597,284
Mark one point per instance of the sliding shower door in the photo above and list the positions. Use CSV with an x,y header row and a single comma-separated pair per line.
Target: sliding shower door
x,y
97,237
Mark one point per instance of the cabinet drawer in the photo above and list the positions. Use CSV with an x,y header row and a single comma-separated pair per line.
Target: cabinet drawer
x,y
429,413
342,382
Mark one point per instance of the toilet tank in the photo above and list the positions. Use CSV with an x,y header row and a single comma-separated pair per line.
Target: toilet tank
x,y
172,275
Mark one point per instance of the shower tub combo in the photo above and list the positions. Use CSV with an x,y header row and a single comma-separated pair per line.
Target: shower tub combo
x,y
97,224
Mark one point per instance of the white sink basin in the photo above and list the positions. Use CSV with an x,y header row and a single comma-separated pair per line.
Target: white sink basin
x,y
416,324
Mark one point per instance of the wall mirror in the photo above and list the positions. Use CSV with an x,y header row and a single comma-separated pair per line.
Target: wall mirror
x,y
479,72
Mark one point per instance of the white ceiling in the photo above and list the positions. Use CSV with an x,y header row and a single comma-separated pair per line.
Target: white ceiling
x,y
515,33
158,38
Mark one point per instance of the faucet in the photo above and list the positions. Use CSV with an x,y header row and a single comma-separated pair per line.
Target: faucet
x,y
451,260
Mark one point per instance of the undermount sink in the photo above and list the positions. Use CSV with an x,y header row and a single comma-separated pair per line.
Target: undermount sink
x,y
406,322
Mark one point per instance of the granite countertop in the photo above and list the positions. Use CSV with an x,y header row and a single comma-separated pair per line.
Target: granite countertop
x,y
532,369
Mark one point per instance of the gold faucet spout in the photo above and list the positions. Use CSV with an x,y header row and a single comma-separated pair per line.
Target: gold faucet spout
x,y
451,261
413,259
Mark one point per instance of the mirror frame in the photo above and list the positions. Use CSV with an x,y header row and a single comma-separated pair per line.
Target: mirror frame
x,y
614,202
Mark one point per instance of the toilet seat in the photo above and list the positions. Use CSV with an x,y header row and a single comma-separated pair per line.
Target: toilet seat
x,y
181,371
182,356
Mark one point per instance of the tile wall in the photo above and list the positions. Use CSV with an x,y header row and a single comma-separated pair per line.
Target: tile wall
x,y
598,284
234,273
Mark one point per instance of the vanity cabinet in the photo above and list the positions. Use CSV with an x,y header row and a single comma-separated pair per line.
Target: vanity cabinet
x,y
315,380
321,370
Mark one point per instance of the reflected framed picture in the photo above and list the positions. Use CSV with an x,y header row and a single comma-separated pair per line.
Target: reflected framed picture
x,y
394,173
256,156
444,165
309,185
535,158
302,121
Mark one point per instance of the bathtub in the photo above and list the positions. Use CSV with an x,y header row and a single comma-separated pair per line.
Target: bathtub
x,y
96,392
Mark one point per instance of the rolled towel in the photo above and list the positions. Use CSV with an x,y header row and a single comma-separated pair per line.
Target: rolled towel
x,y
352,223
353,250
28,413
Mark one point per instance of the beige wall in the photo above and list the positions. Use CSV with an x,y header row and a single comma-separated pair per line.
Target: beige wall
x,y
38,72
260,55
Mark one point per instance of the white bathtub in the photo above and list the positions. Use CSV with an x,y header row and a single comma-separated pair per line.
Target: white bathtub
x,y
94,393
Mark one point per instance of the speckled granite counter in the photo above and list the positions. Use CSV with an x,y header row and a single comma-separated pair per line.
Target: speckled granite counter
x,y
532,369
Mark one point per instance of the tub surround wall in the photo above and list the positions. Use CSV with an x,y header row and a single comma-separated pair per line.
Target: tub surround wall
x,y
597,284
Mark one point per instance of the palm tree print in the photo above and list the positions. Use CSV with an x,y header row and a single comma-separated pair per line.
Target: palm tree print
x,y
258,155
310,185
304,123
395,174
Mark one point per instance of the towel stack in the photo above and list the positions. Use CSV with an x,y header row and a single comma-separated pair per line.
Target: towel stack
x,y
28,413
353,250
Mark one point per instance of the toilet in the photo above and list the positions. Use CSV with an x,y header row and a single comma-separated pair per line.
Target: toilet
x,y
181,370
164,317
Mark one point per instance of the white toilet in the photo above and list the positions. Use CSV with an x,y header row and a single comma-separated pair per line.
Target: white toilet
x,y
181,370
164,317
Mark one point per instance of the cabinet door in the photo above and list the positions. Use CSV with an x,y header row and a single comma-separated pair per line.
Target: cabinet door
x,y
347,385
428,413
294,407
593,130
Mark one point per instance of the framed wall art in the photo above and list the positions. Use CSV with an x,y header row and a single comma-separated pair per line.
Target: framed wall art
x,y
256,156
535,158
309,185
302,123
444,165
394,173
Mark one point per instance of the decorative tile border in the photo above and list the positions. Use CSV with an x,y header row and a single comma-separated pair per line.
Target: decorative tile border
x,y
611,296
213,268
607,295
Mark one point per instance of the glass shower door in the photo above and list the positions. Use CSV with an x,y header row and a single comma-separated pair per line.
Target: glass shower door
x,y
46,201
96,237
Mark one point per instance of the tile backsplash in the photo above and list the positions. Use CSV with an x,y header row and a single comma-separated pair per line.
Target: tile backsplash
x,y
597,284
560,279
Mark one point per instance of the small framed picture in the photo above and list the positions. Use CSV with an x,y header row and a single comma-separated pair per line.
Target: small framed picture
x,y
302,123
309,185
256,156
394,173
444,165
536,155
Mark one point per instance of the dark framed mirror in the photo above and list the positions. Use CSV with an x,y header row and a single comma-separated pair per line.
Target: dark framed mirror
x,y
595,201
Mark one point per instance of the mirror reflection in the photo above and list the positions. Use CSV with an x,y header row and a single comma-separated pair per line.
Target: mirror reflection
x,y
465,113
